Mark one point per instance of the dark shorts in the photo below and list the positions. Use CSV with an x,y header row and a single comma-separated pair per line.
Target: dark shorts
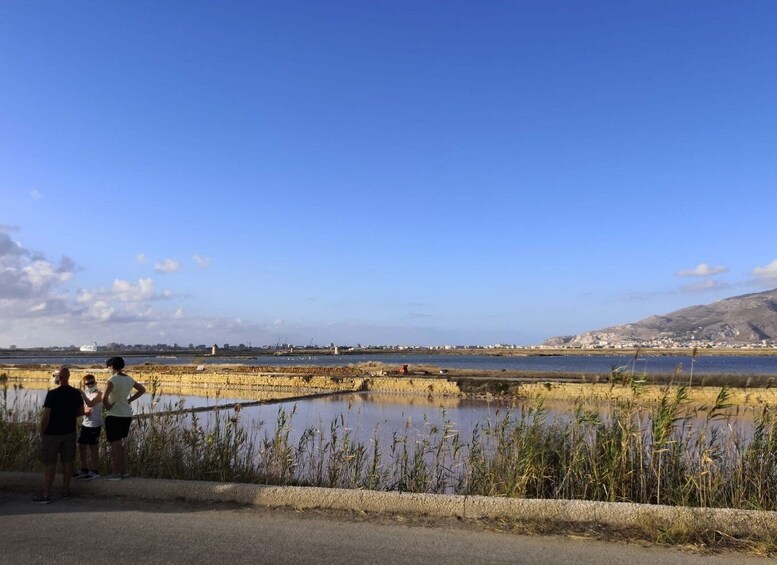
x,y
59,446
89,436
117,427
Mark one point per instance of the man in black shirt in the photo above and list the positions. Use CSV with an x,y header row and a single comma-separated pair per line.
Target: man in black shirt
x,y
61,409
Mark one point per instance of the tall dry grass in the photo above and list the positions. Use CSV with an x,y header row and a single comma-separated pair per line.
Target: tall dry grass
x,y
667,453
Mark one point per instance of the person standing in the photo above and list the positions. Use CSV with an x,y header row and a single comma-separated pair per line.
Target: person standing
x,y
92,424
61,409
118,414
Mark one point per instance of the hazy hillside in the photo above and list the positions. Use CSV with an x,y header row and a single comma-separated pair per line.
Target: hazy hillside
x,y
749,318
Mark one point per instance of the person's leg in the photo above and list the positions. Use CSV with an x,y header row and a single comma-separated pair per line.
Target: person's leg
x,y
48,456
49,472
83,456
67,472
124,469
123,465
94,458
124,431
117,456
68,454
113,435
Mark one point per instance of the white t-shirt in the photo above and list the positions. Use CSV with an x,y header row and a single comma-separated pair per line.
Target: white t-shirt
x,y
95,418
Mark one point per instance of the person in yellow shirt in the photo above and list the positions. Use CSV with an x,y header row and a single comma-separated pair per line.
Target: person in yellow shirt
x,y
117,398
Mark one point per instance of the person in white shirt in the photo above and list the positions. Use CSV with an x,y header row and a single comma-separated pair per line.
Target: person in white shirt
x,y
118,414
92,424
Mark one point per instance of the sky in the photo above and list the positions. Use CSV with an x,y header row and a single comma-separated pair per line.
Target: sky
x,y
405,172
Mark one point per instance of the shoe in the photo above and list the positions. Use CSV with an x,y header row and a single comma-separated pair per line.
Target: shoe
x,y
42,499
91,476
79,474
113,477
125,475
67,494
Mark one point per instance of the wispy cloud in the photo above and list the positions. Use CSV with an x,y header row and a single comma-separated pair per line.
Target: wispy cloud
x,y
202,262
418,315
140,258
767,274
35,195
704,286
702,270
167,266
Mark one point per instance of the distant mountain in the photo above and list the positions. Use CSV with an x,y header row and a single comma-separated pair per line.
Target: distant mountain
x,y
746,319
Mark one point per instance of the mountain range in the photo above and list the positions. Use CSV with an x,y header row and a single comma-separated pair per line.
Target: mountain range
x,y
739,320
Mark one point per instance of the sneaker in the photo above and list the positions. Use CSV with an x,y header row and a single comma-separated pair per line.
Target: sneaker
x,y
67,494
115,477
80,474
91,476
42,499
125,475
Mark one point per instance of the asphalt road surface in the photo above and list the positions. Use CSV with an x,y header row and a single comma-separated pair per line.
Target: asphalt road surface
x,y
103,530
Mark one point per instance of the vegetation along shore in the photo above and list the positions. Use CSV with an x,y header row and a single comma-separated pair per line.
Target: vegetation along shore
x,y
622,439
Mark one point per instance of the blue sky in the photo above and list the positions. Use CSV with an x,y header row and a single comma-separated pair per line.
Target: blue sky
x,y
379,172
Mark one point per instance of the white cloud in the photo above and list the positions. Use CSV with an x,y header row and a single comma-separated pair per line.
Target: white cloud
x,y
123,291
202,262
767,273
101,310
43,274
25,276
167,266
126,291
35,195
140,258
702,270
37,308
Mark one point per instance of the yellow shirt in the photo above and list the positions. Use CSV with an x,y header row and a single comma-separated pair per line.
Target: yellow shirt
x,y
119,397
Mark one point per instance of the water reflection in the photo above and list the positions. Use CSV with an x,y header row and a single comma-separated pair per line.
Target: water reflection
x,y
370,415
22,399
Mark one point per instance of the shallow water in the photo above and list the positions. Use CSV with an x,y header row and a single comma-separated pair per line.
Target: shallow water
x,y
31,398
575,364
367,416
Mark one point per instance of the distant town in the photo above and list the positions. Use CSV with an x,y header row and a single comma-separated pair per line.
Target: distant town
x,y
241,349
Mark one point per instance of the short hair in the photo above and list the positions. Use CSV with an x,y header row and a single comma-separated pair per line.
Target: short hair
x,y
63,372
115,363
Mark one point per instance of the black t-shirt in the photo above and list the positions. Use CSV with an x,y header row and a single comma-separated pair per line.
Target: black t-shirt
x,y
65,403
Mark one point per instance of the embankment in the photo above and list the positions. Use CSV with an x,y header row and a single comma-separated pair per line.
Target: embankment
x,y
241,378
239,381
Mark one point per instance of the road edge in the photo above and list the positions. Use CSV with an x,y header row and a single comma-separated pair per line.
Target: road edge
x,y
738,523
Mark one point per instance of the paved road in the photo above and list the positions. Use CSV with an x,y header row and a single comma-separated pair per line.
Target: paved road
x,y
77,531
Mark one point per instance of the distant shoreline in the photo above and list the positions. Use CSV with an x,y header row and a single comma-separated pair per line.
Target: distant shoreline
x,y
301,352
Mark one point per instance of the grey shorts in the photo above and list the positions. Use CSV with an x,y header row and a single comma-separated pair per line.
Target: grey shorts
x,y
60,446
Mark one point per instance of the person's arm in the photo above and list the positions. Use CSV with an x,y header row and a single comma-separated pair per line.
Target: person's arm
x,y
44,419
106,403
141,390
95,401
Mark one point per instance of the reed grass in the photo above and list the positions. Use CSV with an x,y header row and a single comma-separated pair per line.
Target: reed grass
x,y
667,453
